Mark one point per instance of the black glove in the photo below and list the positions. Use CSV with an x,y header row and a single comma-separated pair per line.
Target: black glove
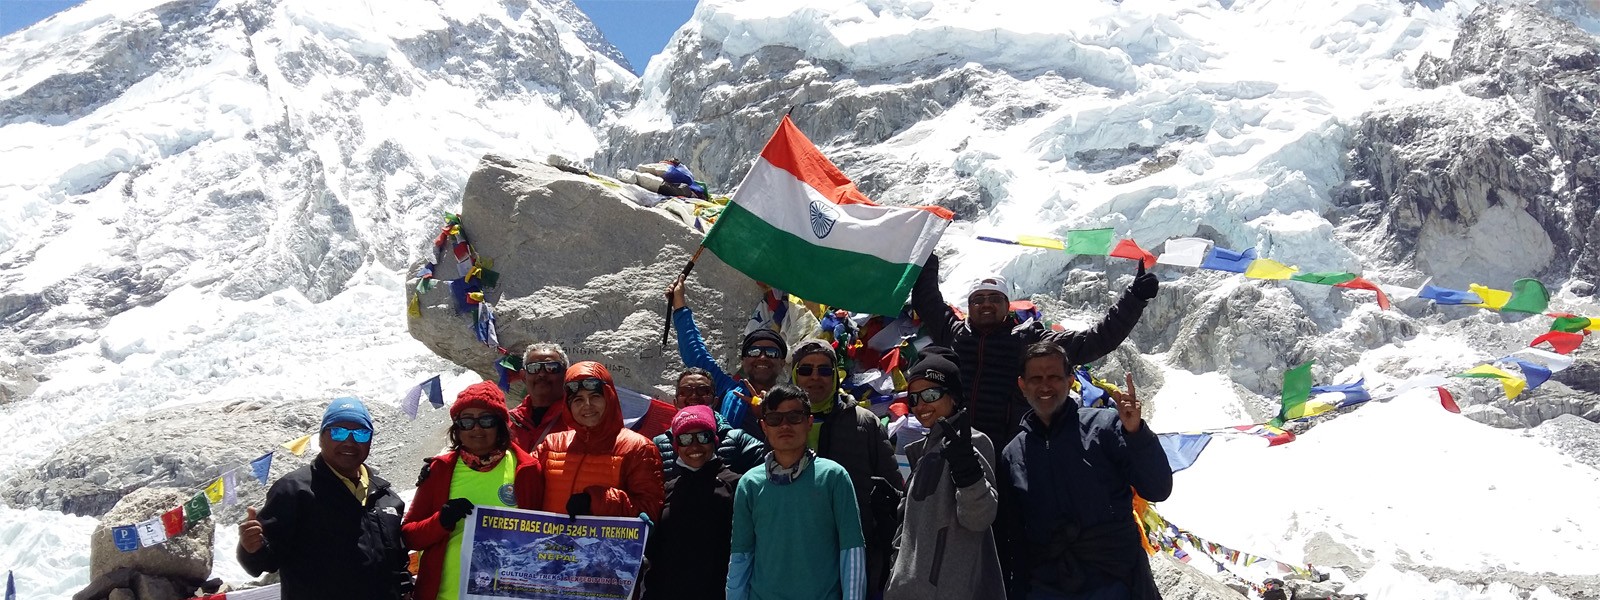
x,y
579,504
1144,284
453,511
958,452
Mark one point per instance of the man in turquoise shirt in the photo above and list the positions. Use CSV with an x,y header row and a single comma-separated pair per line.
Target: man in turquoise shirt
x,y
783,546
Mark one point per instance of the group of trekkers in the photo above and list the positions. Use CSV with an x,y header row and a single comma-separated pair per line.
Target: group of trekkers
x,y
771,482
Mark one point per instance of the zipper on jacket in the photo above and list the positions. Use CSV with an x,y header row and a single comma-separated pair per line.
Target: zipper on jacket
x,y
938,557
572,487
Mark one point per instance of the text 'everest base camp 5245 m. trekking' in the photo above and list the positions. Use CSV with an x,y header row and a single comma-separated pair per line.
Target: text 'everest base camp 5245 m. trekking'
x,y
1212,299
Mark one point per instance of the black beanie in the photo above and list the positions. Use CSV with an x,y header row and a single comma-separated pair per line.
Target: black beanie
x,y
764,333
938,364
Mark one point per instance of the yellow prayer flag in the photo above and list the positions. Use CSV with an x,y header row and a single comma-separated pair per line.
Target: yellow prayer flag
x,y
414,306
1492,299
1040,242
214,492
1266,268
1513,386
299,446
1594,324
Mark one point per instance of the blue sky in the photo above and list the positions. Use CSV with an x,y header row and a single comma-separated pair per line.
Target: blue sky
x,y
640,28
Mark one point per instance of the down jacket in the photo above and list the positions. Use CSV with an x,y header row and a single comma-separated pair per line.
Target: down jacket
x,y
619,469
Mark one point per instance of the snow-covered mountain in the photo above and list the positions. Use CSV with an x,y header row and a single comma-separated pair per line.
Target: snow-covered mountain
x,y
213,203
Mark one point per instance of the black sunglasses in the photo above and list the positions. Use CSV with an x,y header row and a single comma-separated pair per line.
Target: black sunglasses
x,y
774,419
696,390
484,421
807,370
767,351
698,437
987,299
548,367
927,396
592,384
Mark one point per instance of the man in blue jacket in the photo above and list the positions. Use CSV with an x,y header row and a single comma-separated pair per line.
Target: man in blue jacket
x,y
761,359
1066,491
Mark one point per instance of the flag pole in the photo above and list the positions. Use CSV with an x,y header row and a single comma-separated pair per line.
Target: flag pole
x,y
666,328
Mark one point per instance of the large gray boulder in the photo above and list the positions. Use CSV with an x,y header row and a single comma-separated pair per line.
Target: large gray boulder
x,y
582,266
1178,581
186,556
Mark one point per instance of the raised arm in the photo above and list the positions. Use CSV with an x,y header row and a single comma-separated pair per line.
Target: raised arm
x,y
937,318
1083,347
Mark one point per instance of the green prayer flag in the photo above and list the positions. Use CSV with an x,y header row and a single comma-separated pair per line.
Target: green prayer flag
x,y
1296,389
1326,278
511,362
1570,324
1093,242
490,278
1527,296
196,508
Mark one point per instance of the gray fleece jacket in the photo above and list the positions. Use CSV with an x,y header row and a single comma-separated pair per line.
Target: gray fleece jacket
x,y
946,547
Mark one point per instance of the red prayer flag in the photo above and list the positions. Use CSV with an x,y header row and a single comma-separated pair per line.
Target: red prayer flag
x,y
1362,284
1563,342
463,251
1131,251
172,521
1448,401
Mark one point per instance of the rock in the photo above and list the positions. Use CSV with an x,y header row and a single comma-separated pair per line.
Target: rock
x,y
122,594
89,475
1178,581
1313,590
159,588
186,556
583,267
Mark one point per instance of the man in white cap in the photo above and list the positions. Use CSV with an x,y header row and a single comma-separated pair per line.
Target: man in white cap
x,y
990,341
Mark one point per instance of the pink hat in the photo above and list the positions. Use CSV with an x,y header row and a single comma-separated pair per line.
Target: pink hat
x,y
695,418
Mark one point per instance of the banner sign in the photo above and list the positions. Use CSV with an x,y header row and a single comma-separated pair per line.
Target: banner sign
x,y
514,553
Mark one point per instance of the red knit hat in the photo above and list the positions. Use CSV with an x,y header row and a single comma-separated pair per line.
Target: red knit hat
x,y
485,395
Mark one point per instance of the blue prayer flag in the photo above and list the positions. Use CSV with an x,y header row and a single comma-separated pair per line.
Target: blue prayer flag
x,y
1535,373
126,538
1183,448
1441,295
1090,393
261,467
1223,259
1354,393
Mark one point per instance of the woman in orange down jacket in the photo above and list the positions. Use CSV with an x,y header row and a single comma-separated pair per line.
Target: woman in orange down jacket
x,y
599,468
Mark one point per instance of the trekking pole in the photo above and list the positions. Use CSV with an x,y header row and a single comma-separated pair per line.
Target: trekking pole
x,y
666,328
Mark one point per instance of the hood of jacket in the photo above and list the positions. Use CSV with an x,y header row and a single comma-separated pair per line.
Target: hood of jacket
x,y
611,419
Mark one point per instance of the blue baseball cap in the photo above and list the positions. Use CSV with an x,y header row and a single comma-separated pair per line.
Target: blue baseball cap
x,y
345,409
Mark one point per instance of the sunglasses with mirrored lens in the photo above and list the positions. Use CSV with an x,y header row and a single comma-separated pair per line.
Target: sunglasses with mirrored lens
x,y
484,421
807,370
547,367
987,299
591,384
697,437
767,351
339,434
775,419
696,390
926,396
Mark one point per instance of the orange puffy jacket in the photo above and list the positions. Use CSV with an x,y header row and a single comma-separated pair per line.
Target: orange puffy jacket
x,y
619,469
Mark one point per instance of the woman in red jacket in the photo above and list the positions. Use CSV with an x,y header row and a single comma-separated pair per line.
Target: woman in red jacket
x,y
482,468
599,468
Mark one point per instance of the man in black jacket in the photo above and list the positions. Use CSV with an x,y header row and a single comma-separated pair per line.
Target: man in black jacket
x,y
331,528
1066,491
990,341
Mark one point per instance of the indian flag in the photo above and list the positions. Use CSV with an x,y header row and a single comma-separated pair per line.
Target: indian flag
x,y
798,224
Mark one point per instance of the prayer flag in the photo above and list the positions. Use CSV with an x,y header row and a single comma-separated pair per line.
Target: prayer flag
x,y
1223,259
1362,284
1266,268
1441,295
1184,252
985,238
126,538
1527,296
1556,362
214,492
1040,242
195,509
1447,401
1131,251
261,467
172,522
1569,324
1397,292
490,279
1183,448
1535,373
795,210
1296,390
1351,394
230,487
1561,341
1092,242
11,587
1492,299
298,447
1324,278
1513,385
151,532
